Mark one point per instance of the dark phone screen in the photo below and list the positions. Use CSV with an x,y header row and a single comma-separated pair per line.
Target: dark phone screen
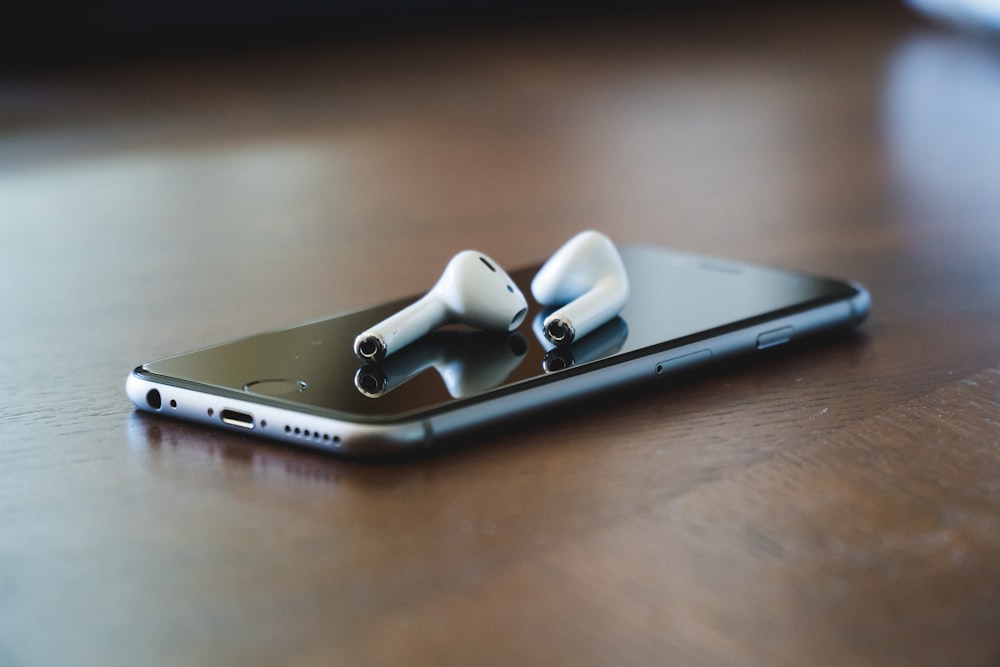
x,y
674,296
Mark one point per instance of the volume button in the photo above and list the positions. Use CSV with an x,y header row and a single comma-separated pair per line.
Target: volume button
x,y
775,337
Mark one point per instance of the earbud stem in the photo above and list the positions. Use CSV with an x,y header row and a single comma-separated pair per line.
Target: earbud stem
x,y
586,313
400,329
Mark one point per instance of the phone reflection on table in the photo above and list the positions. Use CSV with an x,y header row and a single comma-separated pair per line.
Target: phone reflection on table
x,y
467,361
601,342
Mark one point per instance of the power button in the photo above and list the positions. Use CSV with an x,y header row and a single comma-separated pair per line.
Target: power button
x,y
775,337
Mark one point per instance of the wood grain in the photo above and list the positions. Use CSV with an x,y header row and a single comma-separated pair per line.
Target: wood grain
x,y
834,504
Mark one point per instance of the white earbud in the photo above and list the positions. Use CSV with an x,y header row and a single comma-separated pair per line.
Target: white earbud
x,y
473,290
587,277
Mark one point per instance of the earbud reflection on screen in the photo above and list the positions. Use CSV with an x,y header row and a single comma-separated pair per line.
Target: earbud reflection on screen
x,y
467,361
587,278
473,290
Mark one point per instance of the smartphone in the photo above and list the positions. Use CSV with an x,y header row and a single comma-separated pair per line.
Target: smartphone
x,y
304,386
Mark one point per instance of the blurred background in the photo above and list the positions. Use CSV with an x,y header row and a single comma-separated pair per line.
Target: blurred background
x,y
175,175
53,32
342,133
64,32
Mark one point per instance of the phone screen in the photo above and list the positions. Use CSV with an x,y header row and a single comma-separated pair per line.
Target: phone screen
x,y
675,297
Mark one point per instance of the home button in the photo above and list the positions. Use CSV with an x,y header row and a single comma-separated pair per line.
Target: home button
x,y
275,387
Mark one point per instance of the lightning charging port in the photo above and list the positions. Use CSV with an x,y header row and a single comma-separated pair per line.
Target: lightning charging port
x,y
234,418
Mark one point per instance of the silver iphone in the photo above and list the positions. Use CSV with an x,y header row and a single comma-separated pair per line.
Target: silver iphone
x,y
304,386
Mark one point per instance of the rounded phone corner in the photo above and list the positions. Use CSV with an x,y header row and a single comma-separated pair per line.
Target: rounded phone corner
x,y
861,302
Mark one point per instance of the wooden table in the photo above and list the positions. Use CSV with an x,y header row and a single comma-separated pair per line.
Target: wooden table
x,y
836,504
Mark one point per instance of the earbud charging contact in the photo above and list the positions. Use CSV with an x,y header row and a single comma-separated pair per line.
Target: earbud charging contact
x,y
370,348
557,331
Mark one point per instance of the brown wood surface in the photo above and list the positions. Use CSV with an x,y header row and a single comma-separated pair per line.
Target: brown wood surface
x,y
833,505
